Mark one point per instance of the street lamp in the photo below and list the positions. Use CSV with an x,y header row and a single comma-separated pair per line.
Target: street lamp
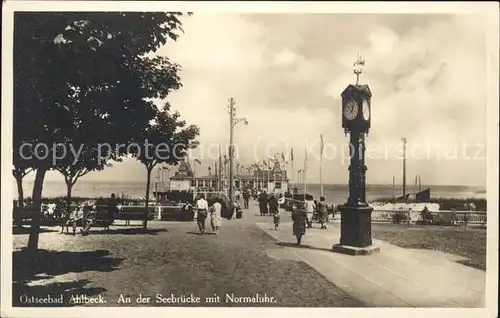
x,y
232,123
166,179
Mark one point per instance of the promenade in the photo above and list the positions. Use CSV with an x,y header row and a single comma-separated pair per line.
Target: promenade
x,y
395,277
173,259
249,262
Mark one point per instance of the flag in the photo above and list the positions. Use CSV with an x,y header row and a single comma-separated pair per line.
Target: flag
x,y
423,196
322,145
283,156
197,161
403,198
291,154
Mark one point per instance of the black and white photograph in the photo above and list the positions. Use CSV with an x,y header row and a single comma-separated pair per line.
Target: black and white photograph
x,y
317,157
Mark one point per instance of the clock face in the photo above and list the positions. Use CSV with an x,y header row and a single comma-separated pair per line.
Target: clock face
x,y
351,109
366,110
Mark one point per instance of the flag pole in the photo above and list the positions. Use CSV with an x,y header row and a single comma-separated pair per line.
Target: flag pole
x,y
393,189
305,174
268,171
220,170
321,167
321,174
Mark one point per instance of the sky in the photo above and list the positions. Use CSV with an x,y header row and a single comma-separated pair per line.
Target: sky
x,y
427,74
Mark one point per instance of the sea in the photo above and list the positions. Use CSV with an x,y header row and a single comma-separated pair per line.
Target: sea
x,y
335,193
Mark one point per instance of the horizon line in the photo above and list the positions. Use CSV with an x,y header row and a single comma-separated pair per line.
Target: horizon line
x,y
408,186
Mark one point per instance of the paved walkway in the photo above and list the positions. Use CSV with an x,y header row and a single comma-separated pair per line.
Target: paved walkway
x,y
172,259
395,277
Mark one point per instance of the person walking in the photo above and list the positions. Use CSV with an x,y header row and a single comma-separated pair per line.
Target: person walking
x,y
112,210
246,198
309,208
215,216
263,203
202,209
299,218
322,213
274,210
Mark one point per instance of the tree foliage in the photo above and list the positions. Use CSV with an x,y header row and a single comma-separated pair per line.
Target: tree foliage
x,y
86,77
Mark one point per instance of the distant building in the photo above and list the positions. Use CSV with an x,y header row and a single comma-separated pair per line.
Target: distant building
x,y
271,180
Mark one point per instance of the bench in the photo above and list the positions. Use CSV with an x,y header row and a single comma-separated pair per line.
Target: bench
x,y
134,213
99,218
21,216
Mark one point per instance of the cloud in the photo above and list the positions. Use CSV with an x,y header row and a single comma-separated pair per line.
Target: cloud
x,y
286,72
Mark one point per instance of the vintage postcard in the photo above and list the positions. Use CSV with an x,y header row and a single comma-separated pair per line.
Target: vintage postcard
x,y
249,158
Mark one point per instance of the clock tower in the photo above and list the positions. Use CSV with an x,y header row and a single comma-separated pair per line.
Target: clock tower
x,y
355,237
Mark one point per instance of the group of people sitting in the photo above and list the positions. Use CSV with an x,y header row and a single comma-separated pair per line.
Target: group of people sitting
x,y
85,216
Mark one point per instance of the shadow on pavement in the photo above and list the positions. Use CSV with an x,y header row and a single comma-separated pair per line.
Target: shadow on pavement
x,y
128,231
289,244
194,233
16,230
198,233
29,267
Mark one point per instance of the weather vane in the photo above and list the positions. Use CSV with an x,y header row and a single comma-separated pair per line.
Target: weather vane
x,y
358,67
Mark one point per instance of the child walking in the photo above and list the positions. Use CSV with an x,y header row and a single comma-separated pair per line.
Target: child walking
x,y
274,210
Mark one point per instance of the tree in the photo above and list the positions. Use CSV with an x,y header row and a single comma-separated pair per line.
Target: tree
x,y
93,62
19,173
165,140
73,167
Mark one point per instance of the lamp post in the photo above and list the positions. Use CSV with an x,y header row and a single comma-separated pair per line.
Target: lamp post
x,y
404,140
232,123
156,186
166,179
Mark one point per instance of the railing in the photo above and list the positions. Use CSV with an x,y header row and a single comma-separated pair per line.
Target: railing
x,y
442,216
474,217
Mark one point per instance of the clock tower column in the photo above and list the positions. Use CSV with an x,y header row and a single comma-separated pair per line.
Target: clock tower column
x,y
355,236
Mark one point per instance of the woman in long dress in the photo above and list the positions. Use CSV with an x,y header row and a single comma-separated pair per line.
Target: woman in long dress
x,y
215,216
263,203
299,218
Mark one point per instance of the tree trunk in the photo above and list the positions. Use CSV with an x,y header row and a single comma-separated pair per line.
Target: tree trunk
x,y
146,212
36,209
69,188
20,192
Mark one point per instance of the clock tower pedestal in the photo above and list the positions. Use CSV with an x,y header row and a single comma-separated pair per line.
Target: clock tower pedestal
x,y
355,231
356,214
